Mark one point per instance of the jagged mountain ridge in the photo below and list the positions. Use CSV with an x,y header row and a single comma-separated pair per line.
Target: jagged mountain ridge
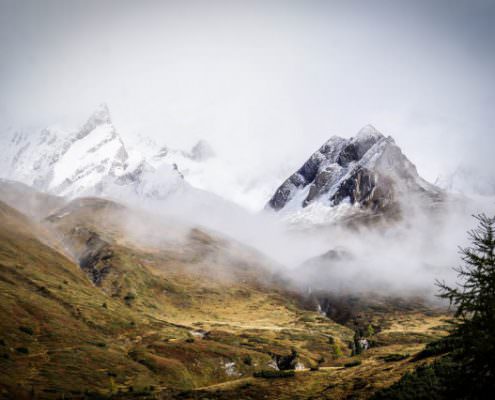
x,y
94,160
368,171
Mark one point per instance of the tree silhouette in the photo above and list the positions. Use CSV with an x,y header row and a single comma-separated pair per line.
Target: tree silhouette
x,y
474,301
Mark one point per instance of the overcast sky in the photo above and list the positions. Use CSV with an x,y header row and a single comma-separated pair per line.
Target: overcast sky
x,y
265,82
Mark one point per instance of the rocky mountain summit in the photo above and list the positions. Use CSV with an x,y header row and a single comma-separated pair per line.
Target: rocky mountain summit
x,y
368,171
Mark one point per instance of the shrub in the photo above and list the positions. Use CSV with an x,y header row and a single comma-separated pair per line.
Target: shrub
x,y
190,340
129,298
26,329
370,331
22,350
247,360
336,350
426,382
439,347
351,364
286,362
394,357
271,374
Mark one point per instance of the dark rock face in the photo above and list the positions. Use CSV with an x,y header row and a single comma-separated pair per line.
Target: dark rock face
x,y
323,169
96,258
134,175
371,190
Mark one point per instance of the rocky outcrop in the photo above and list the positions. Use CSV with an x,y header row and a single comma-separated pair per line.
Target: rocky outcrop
x,y
202,151
96,259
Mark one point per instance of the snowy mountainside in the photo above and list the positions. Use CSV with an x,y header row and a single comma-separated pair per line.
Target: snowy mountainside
x,y
97,160
366,173
202,168
90,161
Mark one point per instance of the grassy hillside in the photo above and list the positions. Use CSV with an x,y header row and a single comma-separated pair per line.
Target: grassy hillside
x,y
101,300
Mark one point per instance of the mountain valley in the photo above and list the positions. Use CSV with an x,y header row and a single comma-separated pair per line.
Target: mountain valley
x,y
112,299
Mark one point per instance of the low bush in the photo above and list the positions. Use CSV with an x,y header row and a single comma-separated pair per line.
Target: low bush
x,y
394,357
434,381
351,364
26,329
22,350
439,347
271,374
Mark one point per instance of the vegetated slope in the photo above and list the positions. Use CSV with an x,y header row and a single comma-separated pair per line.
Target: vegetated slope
x,y
56,335
124,316
359,377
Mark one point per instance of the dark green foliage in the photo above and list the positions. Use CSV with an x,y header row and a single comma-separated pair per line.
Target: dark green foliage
x,y
431,382
271,374
247,360
395,357
190,340
468,371
439,347
474,299
26,329
370,331
22,350
351,364
287,362
129,298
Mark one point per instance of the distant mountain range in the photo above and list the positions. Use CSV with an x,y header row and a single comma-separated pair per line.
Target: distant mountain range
x,y
366,175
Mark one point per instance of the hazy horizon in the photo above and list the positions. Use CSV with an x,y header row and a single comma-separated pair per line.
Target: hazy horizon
x,y
266,83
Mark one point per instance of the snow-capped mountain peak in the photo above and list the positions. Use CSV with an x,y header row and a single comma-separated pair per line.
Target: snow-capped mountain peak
x,y
202,151
368,131
91,160
101,116
368,171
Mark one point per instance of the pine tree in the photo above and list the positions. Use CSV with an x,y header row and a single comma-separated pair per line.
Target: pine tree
x,y
474,301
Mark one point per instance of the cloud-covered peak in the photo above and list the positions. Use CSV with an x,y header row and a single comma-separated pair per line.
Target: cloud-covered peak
x,y
369,131
101,116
